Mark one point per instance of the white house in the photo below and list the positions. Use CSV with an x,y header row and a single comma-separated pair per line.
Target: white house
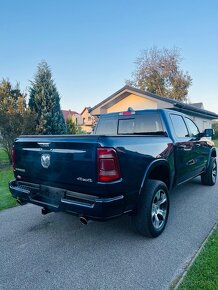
x,y
138,100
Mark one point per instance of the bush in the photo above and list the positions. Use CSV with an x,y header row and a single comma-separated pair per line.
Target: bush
x,y
215,127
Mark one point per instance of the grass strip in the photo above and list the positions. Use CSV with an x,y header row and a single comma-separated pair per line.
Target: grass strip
x,y
216,143
6,174
203,274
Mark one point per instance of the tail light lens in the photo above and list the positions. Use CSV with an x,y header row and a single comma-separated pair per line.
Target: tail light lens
x,y
108,165
13,157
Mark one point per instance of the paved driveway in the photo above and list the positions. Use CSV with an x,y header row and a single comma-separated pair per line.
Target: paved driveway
x,y
57,252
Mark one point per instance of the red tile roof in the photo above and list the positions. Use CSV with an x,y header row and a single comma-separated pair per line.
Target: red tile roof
x,y
67,113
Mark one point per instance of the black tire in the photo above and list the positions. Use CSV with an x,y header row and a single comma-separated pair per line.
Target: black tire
x,y
147,213
209,176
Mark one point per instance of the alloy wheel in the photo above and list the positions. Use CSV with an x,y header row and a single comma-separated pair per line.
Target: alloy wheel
x,y
159,209
214,171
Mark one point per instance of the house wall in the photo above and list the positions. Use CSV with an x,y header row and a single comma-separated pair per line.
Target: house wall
x,y
87,129
87,118
87,121
202,123
77,119
133,101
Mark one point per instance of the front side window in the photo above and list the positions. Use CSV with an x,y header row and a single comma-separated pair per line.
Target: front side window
x,y
194,131
179,126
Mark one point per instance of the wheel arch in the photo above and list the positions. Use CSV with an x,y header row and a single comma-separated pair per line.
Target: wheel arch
x,y
213,152
158,170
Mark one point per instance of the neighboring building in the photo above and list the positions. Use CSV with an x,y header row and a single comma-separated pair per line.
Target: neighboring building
x,y
77,119
140,100
87,120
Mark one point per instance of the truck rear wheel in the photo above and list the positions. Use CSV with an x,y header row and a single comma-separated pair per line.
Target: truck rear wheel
x,y
210,175
152,210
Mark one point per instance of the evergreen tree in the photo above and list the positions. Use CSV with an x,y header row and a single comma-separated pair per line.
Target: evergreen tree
x,y
71,126
45,102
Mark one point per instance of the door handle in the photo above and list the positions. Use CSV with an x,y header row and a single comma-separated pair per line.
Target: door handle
x,y
187,149
197,144
182,146
191,162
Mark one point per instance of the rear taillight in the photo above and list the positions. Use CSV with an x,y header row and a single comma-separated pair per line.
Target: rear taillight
x,y
108,165
13,157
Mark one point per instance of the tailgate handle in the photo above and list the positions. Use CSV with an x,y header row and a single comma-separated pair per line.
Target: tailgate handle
x,y
44,145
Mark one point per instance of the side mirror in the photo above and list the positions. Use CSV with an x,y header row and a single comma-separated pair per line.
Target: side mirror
x,y
208,133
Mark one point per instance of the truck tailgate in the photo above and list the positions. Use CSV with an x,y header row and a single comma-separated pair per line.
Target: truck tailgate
x,y
67,160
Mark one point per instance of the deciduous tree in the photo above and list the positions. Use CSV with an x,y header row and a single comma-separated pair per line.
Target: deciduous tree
x,y
15,117
158,71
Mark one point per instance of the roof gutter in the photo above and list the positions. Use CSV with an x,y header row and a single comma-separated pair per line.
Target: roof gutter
x,y
194,111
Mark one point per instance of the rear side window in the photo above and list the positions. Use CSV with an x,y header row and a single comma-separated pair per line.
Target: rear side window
x,y
179,126
149,123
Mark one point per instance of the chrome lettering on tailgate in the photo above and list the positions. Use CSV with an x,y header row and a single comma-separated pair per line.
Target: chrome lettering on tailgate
x,y
84,179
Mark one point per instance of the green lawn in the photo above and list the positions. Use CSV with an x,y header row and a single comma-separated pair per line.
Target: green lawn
x,y
6,174
216,143
6,200
203,274
3,156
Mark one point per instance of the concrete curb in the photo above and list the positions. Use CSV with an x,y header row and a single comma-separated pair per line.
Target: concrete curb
x,y
177,281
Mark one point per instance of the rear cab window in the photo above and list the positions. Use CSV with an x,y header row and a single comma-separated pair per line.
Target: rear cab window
x,y
146,123
149,123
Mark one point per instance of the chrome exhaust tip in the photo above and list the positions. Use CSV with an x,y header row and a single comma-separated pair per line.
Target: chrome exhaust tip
x,y
20,202
83,220
45,211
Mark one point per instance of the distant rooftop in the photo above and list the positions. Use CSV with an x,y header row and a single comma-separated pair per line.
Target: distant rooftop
x,y
198,105
67,113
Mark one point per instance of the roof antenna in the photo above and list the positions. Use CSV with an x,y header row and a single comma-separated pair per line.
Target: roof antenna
x,y
130,109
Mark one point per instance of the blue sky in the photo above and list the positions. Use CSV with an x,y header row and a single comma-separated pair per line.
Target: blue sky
x,y
91,45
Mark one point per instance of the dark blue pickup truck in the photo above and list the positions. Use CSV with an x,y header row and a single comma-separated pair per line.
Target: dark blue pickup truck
x,y
128,165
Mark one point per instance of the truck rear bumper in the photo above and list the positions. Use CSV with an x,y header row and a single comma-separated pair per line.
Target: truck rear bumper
x,y
58,199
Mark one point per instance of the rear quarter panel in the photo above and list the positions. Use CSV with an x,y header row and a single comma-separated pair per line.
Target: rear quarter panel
x,y
135,154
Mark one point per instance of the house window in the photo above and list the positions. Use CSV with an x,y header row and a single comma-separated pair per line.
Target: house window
x,y
89,118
